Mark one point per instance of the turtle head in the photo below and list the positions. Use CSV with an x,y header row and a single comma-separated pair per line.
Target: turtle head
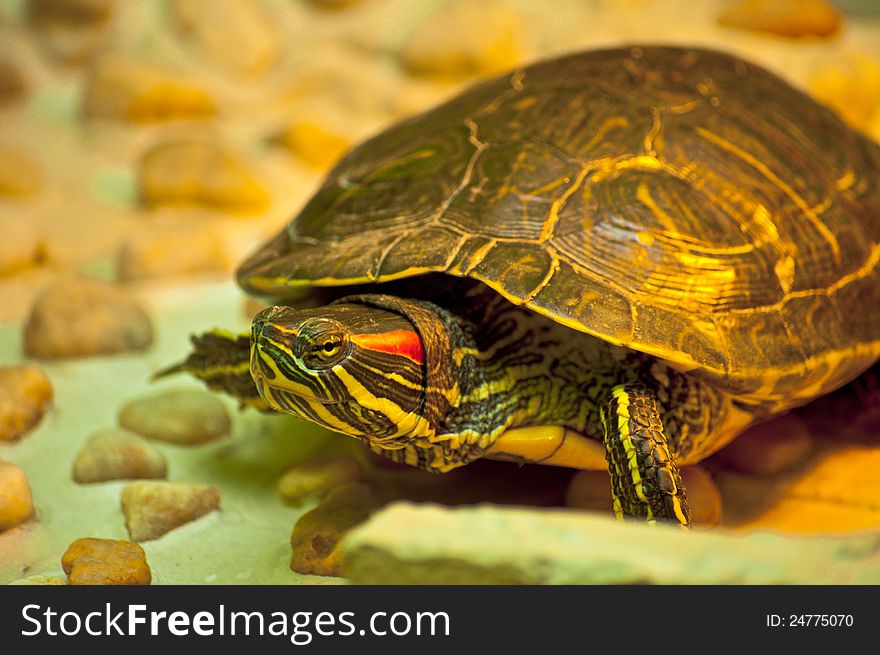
x,y
351,367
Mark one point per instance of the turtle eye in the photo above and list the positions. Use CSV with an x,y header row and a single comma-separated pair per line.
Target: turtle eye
x,y
321,344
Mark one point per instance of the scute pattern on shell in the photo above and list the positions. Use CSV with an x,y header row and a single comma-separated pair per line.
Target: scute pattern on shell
x,y
682,202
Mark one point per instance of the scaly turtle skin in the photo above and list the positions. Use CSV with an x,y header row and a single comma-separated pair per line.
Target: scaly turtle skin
x,y
626,255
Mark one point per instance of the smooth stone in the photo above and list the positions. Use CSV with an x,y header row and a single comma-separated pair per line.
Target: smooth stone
x,y
153,508
82,317
789,18
200,173
25,397
91,561
16,502
124,89
427,544
69,12
72,30
118,455
184,417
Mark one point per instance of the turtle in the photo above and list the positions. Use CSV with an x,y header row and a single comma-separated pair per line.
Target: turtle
x,y
614,259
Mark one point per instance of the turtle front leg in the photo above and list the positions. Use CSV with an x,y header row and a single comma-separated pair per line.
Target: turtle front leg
x,y
645,481
221,360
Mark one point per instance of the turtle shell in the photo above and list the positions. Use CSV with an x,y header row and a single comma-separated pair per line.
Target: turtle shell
x,y
681,202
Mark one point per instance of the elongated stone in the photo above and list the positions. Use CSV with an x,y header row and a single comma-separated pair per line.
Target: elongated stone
x,y
153,508
117,455
81,317
105,562
25,397
410,544
184,417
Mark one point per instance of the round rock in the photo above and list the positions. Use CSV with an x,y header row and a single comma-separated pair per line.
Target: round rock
x,y
180,416
200,173
25,396
316,536
153,508
81,317
105,562
124,89
16,502
118,455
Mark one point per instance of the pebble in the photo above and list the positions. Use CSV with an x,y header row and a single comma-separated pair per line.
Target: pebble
x,y
39,580
91,561
199,173
237,34
117,455
849,84
24,241
185,417
12,82
81,317
25,397
591,490
315,537
72,30
69,12
314,144
768,448
19,172
318,475
124,89
171,251
466,38
789,18
153,508
16,502
333,4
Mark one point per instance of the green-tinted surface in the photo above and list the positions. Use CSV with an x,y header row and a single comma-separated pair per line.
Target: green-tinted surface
x,y
247,541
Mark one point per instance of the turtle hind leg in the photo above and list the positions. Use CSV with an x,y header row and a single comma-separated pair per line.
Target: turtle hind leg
x,y
221,360
645,481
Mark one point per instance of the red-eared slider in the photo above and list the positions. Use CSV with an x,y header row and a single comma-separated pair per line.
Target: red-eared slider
x,y
629,254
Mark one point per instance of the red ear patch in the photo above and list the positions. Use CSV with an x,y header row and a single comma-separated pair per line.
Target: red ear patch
x,y
396,342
